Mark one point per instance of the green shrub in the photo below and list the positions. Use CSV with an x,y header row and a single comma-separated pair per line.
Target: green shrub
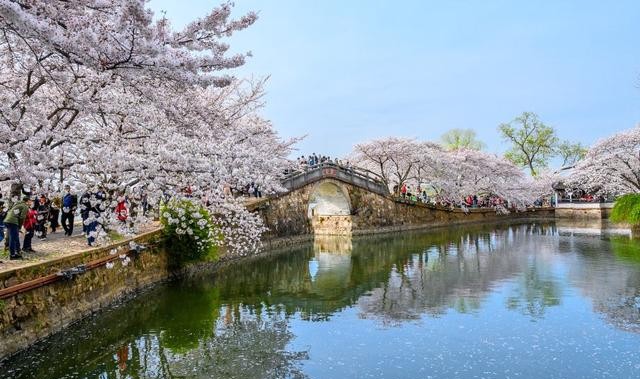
x,y
627,209
188,231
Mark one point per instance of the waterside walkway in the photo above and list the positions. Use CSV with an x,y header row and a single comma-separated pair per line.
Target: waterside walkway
x,y
56,246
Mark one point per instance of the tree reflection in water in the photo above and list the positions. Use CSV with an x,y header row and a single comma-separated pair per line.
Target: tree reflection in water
x,y
253,348
535,293
174,332
612,285
456,271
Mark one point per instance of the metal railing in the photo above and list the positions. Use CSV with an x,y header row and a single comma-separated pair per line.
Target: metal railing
x,y
329,170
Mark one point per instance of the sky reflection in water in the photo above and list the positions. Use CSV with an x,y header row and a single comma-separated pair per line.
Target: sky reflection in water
x,y
525,301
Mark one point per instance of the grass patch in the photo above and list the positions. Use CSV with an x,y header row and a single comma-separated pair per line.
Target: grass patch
x,y
114,236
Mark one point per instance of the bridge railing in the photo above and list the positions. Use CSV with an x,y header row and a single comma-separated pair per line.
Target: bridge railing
x,y
352,175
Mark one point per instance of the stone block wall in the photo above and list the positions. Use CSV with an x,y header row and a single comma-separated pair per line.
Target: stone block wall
x,y
30,316
584,210
332,225
287,216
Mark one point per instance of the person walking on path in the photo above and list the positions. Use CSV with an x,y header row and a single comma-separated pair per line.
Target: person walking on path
x,y
85,208
54,214
69,206
96,207
29,225
13,221
43,208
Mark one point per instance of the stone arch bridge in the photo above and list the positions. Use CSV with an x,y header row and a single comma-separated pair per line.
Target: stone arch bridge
x,y
335,200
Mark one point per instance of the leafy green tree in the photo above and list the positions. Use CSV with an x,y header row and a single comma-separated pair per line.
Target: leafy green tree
x,y
627,209
571,153
533,142
456,139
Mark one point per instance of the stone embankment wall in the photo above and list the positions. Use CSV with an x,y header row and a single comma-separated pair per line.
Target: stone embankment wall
x,y
288,215
34,314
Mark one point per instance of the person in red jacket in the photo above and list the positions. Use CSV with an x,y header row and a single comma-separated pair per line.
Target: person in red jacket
x,y
122,212
29,225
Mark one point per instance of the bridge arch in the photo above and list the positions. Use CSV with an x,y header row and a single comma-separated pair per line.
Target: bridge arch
x,y
329,198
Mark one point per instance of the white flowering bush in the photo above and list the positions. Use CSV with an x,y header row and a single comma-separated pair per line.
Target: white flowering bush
x,y
240,230
189,233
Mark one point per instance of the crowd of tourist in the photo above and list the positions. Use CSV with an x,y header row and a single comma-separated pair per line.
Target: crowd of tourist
x,y
420,195
315,160
38,215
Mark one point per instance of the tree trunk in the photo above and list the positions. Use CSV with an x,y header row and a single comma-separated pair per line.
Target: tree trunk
x,y
533,172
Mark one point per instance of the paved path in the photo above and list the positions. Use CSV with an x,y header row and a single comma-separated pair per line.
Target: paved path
x,y
56,245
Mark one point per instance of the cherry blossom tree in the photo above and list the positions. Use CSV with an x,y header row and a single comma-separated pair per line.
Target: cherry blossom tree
x,y
432,165
611,166
392,159
97,93
453,174
483,173
65,62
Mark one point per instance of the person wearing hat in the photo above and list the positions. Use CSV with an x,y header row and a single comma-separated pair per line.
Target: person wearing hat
x,y
69,205
13,221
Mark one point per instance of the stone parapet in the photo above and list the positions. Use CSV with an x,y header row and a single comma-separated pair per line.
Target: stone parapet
x,y
584,210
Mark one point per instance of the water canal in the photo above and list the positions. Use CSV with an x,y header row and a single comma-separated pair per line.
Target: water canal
x,y
532,300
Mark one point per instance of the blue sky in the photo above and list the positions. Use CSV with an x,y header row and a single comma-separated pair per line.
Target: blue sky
x,y
343,72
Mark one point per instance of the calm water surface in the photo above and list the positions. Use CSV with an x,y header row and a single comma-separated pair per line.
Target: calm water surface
x,y
525,301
